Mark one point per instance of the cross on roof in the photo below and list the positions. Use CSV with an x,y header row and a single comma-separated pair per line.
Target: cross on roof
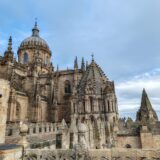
x,y
36,19
92,57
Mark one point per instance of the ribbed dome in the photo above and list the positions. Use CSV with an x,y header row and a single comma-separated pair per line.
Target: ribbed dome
x,y
37,41
34,40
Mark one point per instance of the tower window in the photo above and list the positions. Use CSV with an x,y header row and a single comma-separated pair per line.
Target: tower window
x,y
67,88
91,104
74,108
34,130
109,109
84,107
25,58
46,60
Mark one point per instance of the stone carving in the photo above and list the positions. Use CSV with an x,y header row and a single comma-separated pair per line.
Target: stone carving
x,y
79,104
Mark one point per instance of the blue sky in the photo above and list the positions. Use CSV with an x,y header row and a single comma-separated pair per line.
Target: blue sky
x,y
124,36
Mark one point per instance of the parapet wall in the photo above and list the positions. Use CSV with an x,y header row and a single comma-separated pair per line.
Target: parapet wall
x,y
106,154
40,135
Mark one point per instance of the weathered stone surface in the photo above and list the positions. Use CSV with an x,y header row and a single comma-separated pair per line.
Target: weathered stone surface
x,y
105,154
64,109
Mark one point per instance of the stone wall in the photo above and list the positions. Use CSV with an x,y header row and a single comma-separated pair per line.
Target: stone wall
x,y
23,101
133,141
40,135
4,96
149,140
107,154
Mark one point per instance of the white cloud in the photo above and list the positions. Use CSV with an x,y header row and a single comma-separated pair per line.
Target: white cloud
x,y
129,91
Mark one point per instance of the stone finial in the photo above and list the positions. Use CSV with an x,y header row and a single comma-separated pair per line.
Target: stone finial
x,y
10,44
83,65
86,64
76,63
57,67
8,54
92,57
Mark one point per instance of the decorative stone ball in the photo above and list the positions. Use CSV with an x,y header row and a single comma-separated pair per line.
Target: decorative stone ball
x,y
23,129
82,128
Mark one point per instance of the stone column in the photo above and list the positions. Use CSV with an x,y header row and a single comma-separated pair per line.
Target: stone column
x,y
4,96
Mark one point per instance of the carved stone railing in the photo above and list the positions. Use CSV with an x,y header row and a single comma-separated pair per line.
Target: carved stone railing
x,y
106,154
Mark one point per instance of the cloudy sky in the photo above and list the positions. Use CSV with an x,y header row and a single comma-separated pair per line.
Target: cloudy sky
x,y
124,36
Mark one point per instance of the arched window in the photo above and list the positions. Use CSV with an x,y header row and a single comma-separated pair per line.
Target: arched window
x,y
109,109
25,58
67,87
10,132
91,103
46,60
74,108
34,130
84,107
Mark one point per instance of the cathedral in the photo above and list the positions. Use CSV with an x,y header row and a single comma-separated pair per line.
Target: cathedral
x,y
64,108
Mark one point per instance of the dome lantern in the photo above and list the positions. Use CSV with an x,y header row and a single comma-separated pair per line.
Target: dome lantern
x,y
30,45
35,30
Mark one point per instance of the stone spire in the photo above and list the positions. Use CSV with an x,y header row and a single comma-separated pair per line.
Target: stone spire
x,y
83,65
76,63
86,64
146,111
9,53
35,30
10,44
92,57
57,67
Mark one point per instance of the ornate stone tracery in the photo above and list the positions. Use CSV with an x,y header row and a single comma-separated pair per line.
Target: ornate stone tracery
x,y
74,110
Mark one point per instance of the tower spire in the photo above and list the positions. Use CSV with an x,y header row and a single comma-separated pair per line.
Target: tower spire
x,y
76,63
57,67
83,64
92,55
10,44
146,111
8,54
86,64
35,22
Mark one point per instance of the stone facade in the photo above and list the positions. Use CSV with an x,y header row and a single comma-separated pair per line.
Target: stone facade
x,y
4,97
65,108
105,154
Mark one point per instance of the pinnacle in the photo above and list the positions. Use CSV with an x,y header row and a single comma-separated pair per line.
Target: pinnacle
x,y
145,102
10,43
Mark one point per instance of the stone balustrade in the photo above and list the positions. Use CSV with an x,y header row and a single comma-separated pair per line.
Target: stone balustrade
x,y
34,128
106,154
